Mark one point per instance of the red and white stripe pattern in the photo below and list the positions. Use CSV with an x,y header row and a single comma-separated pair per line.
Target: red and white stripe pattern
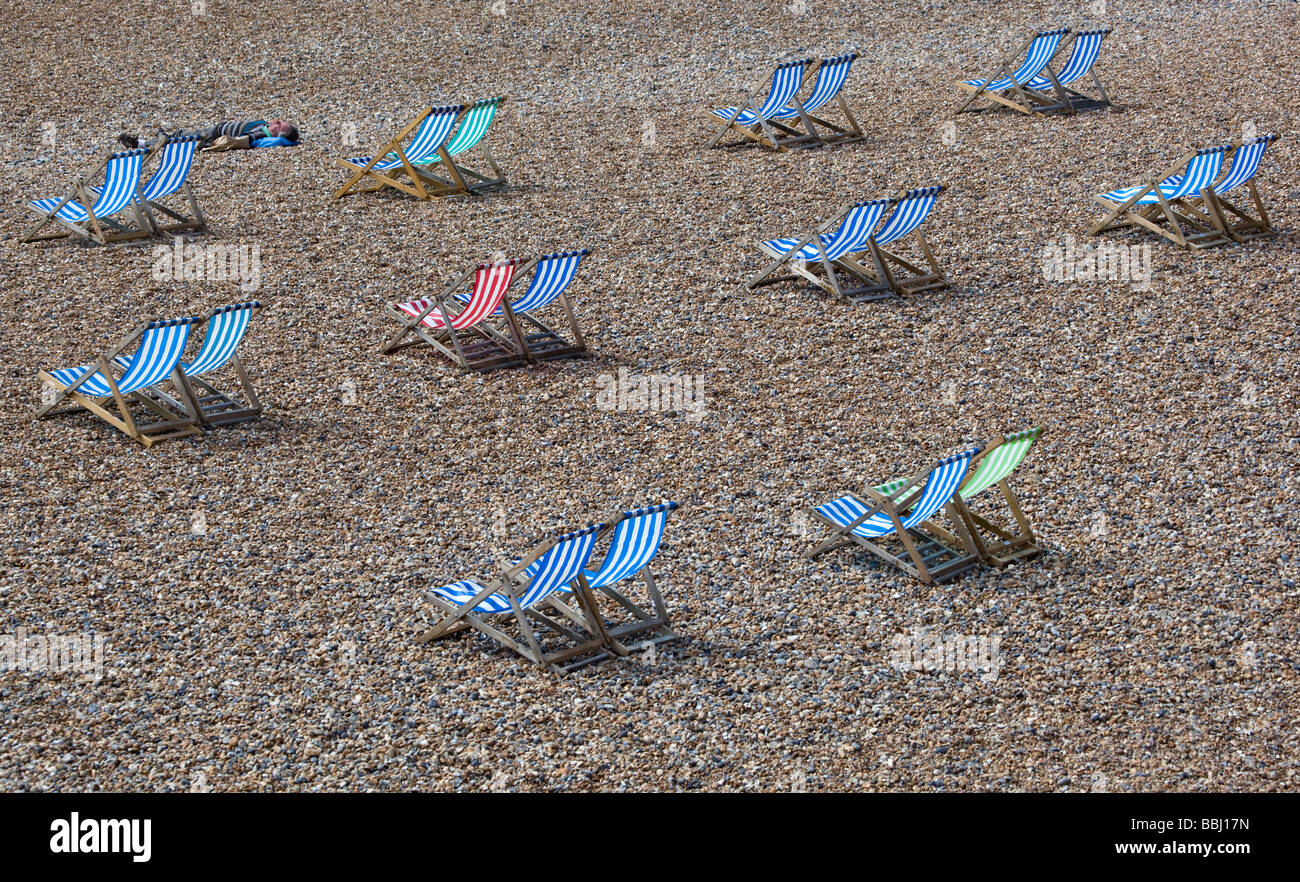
x,y
491,282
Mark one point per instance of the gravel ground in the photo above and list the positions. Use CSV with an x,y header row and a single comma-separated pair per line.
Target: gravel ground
x,y
1152,647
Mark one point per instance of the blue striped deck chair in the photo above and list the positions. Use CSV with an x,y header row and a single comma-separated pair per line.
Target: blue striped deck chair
x,y
893,274
1155,205
552,275
100,223
526,592
471,133
393,165
816,257
110,381
757,123
227,326
1009,87
1232,219
171,177
828,87
1061,94
898,514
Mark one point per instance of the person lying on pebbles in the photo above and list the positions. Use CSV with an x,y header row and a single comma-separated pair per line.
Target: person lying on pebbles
x,y
241,134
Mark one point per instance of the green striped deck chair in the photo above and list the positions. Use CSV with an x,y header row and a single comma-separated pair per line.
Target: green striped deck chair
x,y
470,134
991,468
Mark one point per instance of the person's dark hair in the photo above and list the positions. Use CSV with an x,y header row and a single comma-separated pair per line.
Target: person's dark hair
x,y
289,132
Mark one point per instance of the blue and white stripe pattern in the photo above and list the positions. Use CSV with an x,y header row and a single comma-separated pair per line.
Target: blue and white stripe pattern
x,y
786,81
940,485
551,277
1201,171
551,572
912,210
160,349
121,177
852,235
1087,45
226,327
830,80
635,543
173,169
1245,163
1040,52
428,138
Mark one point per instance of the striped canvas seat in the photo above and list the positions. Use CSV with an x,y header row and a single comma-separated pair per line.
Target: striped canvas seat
x,y
634,544
939,487
429,137
161,347
121,177
999,462
1245,164
226,328
786,81
830,80
1040,52
1201,171
550,573
912,210
473,127
173,169
553,274
491,280
853,234
1087,45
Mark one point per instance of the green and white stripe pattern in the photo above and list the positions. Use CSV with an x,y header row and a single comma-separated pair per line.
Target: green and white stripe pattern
x,y
474,126
1000,462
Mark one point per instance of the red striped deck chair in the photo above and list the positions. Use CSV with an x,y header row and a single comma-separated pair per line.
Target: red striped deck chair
x,y
462,330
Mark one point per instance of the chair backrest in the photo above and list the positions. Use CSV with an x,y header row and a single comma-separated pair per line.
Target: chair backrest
x,y
559,565
161,346
1087,45
634,544
855,230
551,277
173,168
786,80
491,280
1201,171
913,208
1245,163
1041,50
433,132
226,327
999,462
121,177
830,80
474,125
940,484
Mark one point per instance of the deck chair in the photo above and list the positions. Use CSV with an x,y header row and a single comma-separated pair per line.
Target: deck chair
x,y
552,275
471,133
1010,88
887,273
1086,46
395,166
226,328
831,73
896,512
993,466
634,539
1240,226
155,361
816,257
100,223
466,336
529,592
756,123
172,177
1157,205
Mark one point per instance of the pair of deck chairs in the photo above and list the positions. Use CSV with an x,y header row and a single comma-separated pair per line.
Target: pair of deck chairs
x,y
151,394
432,164
896,521
1034,86
121,208
782,120
1189,203
552,589
484,329
847,255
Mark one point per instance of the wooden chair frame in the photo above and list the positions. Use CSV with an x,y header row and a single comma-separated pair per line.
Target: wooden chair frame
x,y
1017,97
1171,219
769,132
417,185
100,230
